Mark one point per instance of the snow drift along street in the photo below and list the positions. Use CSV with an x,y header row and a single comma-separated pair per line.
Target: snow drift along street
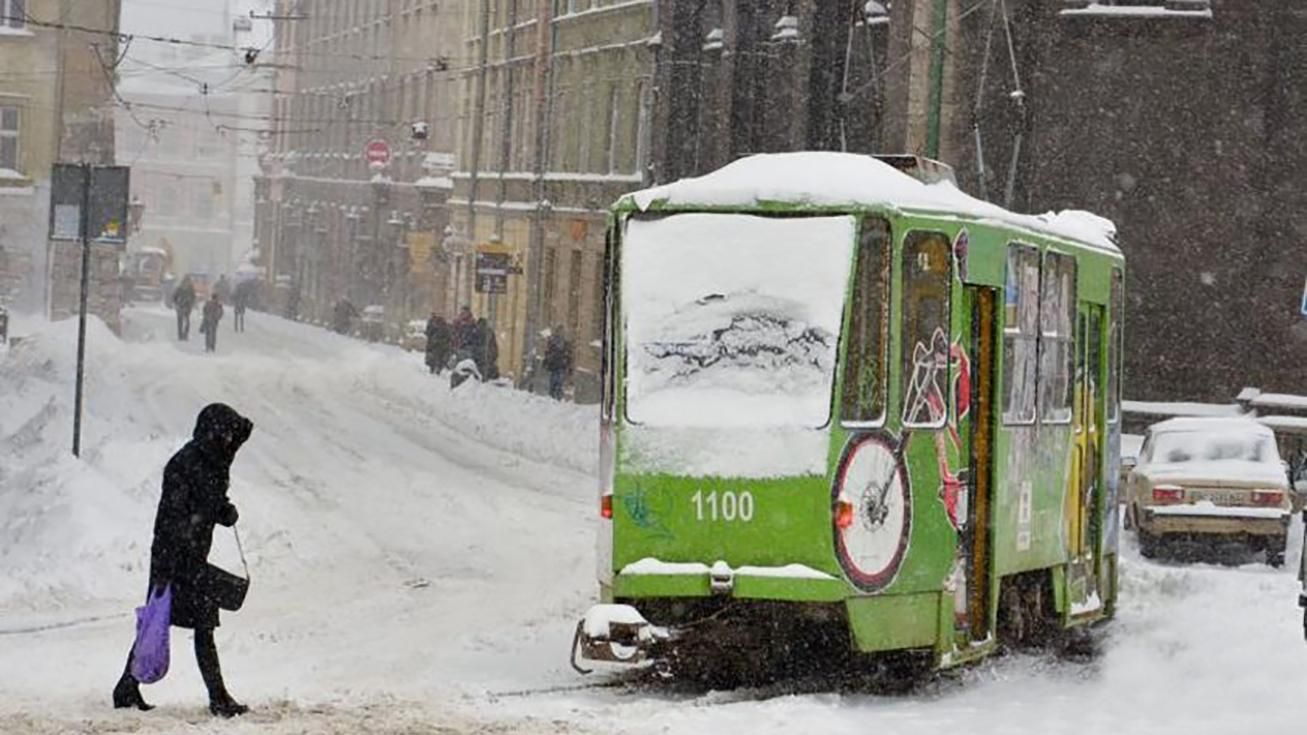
x,y
421,556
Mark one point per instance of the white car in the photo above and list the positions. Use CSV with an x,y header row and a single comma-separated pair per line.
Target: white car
x,y
1209,480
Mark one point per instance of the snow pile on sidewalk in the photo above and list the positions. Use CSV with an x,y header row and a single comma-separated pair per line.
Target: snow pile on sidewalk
x,y
69,528
337,421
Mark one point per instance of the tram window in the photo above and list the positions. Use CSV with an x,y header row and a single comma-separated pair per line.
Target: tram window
x,y
867,363
927,270
1114,353
1021,335
1056,343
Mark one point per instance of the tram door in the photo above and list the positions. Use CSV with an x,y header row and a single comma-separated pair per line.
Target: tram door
x,y
978,535
1086,520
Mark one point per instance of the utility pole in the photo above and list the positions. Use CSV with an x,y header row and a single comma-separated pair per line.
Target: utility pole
x,y
82,228
478,120
505,137
935,105
544,99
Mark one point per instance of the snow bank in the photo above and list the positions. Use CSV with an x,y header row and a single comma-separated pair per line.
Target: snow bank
x,y
69,529
325,411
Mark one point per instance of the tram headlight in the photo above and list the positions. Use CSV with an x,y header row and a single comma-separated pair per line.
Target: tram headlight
x,y
843,512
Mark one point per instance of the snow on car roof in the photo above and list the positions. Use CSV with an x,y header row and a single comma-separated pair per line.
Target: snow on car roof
x,y
830,179
1210,425
1280,400
1180,408
1297,424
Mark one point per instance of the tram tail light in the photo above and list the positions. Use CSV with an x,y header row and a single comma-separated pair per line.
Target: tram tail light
x,y
606,506
1269,498
1168,494
843,513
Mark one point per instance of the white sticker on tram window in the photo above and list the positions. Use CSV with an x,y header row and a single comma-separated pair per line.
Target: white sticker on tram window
x,y
1025,514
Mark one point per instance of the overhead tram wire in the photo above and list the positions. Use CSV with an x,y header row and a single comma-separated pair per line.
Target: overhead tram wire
x,y
221,46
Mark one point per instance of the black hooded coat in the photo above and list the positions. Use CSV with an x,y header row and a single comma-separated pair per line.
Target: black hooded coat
x,y
194,500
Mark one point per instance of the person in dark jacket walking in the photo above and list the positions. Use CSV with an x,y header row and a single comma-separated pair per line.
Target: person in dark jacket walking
x,y
194,500
438,336
240,300
342,315
183,301
223,288
485,350
209,322
464,331
557,362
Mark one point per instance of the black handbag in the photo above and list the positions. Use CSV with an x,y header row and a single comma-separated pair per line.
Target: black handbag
x,y
227,590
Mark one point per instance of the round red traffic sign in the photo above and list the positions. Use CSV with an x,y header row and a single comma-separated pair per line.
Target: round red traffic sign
x,y
377,152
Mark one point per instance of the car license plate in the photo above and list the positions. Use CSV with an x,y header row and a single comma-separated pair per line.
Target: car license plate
x,y
1222,498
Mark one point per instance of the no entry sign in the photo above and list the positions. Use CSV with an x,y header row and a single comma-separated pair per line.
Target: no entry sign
x,y
377,152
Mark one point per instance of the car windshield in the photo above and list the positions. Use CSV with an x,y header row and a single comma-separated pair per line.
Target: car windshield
x,y
733,320
1176,447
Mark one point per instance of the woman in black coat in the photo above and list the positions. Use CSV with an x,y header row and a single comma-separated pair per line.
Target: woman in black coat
x,y
194,500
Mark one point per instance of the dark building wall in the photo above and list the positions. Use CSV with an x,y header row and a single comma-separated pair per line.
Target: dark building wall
x,y
761,89
1187,134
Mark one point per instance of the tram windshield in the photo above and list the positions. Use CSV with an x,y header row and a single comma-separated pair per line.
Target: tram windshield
x,y
733,320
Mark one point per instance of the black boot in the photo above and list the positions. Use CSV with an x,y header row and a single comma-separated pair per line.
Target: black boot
x,y
221,703
127,693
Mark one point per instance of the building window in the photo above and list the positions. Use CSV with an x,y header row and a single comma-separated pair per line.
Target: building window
x,y
551,282
15,12
927,268
614,130
574,294
10,123
1057,317
866,372
1021,335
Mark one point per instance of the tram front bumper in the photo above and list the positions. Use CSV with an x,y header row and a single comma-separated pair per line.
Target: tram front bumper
x,y
790,583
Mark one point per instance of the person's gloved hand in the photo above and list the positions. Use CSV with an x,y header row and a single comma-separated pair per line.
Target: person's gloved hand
x,y
228,515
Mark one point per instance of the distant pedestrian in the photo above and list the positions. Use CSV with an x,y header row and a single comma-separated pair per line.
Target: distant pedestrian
x,y
223,288
183,301
240,299
209,322
557,362
342,315
438,342
485,350
194,501
464,331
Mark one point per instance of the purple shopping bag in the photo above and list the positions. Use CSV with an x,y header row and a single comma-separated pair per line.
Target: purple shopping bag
x,y
150,653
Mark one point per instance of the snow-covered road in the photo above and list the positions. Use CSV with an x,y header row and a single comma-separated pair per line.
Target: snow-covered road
x,y
420,556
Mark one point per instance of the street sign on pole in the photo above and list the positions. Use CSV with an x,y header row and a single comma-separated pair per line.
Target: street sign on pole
x,y
109,206
87,202
495,264
67,197
377,152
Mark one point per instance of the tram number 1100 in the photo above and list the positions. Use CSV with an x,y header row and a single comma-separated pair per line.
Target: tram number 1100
x,y
723,506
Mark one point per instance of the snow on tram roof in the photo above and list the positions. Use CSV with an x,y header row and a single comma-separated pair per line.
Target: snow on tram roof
x,y
829,179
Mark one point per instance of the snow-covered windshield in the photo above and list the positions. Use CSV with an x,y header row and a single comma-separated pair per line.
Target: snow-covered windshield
x,y
733,320
1177,447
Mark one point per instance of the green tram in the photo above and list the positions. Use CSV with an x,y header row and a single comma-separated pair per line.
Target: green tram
x,y
841,395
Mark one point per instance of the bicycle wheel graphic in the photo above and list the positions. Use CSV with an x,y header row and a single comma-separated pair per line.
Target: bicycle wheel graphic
x,y
872,478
